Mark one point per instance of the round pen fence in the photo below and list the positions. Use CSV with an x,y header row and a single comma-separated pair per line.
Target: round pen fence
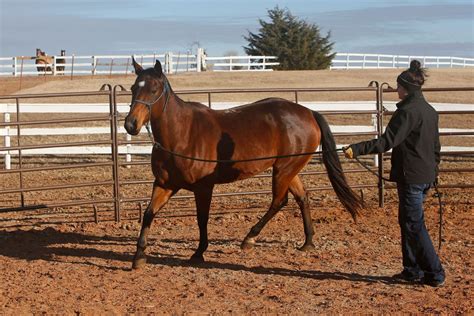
x,y
36,143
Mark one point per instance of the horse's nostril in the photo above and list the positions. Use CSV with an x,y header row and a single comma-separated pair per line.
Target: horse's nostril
x,y
130,125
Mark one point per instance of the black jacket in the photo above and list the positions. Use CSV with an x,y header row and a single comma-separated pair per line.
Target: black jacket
x,y
413,134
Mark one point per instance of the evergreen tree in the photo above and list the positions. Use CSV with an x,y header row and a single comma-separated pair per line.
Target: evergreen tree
x,y
297,43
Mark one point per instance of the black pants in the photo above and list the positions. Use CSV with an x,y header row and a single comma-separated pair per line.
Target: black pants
x,y
419,256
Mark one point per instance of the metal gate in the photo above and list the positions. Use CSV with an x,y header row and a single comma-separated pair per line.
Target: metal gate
x,y
17,194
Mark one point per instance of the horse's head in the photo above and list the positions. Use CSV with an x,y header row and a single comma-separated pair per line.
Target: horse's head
x,y
149,87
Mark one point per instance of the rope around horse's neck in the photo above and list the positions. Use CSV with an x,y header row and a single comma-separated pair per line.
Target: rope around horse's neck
x,y
440,231
159,146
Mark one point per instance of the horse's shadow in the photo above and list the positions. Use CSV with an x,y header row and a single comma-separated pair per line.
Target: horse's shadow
x,y
307,274
51,245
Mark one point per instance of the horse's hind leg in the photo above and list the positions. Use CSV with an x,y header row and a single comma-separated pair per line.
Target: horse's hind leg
x,y
158,199
297,189
280,199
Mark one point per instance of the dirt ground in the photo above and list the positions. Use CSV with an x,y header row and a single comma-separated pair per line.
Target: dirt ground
x,y
85,268
59,261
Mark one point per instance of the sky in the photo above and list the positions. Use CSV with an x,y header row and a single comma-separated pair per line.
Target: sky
x,y
124,27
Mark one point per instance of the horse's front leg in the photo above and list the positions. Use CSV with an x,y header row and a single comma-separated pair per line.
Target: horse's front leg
x,y
158,199
203,198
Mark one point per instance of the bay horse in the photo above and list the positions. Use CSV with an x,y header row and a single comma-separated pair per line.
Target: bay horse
x,y
43,59
218,139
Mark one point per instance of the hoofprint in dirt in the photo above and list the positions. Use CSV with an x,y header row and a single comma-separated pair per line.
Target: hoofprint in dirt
x,y
84,268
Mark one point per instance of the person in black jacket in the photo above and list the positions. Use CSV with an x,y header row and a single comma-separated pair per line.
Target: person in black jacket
x,y
413,135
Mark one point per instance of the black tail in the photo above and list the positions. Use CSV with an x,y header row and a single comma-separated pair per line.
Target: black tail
x,y
348,198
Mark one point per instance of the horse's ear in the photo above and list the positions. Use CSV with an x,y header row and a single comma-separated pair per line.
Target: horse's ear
x,y
158,68
138,68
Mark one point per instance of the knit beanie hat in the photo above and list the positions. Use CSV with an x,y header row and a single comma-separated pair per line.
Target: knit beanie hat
x,y
413,78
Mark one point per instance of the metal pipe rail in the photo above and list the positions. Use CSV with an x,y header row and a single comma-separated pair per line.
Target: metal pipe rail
x,y
106,91
119,186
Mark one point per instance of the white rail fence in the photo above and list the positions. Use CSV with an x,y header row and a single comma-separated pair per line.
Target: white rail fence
x,y
122,64
376,61
240,63
176,63
128,150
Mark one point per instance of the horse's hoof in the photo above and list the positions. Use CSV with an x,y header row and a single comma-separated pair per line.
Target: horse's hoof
x,y
196,259
139,263
247,244
307,247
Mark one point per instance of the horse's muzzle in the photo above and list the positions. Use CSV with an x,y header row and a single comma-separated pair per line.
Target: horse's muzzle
x,y
131,126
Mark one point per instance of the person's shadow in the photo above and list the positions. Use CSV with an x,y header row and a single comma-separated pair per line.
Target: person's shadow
x,y
50,244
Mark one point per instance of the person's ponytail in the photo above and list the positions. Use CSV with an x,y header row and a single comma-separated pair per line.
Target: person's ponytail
x,y
417,73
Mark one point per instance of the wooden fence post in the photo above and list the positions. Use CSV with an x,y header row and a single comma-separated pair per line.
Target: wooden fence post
x,y
94,65
170,62
72,67
199,60
54,66
14,66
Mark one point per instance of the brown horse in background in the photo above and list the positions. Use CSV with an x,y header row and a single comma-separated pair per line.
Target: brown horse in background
x,y
43,59
269,127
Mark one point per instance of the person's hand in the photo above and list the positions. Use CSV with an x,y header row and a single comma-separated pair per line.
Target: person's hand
x,y
437,181
348,152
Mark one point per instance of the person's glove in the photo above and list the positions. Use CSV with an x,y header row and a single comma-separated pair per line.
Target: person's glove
x,y
348,152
